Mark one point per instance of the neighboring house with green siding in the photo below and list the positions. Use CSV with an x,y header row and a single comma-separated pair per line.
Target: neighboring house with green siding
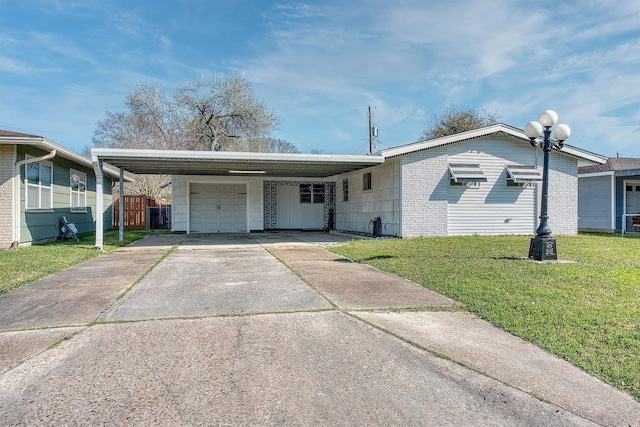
x,y
40,182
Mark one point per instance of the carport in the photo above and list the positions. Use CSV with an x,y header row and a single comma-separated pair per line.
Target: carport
x,y
234,169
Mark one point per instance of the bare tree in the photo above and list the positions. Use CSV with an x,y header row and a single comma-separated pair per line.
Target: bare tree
x,y
219,113
222,110
454,119
150,123
159,124
263,145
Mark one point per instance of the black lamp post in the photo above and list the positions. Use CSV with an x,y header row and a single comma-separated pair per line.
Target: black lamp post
x,y
543,246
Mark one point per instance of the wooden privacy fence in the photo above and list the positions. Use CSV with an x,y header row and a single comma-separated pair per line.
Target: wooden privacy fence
x,y
136,212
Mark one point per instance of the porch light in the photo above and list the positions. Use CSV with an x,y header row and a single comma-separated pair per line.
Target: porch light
x,y
543,245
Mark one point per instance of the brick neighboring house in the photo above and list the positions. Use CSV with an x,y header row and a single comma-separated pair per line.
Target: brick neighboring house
x,y
41,181
485,181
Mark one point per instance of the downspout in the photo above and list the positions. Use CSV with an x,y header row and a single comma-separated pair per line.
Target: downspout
x,y
16,189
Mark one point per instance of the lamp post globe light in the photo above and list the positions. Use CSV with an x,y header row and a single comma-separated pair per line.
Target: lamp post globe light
x,y
543,246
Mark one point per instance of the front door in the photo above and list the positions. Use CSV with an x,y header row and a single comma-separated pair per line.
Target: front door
x,y
300,206
632,206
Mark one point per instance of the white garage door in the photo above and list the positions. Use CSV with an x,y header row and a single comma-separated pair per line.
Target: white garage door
x,y
218,208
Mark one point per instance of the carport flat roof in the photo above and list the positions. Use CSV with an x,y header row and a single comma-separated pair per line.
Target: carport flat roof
x,y
226,163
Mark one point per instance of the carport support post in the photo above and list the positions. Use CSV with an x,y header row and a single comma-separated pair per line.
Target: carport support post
x,y
97,167
121,207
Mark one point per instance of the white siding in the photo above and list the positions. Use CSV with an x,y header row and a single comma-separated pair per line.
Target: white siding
x,y
424,193
493,208
382,200
594,203
255,204
432,207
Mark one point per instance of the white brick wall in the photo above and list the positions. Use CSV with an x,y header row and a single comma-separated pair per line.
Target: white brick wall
x,y
382,200
424,193
7,154
563,194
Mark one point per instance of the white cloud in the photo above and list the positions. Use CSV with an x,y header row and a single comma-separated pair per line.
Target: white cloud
x,y
321,63
14,66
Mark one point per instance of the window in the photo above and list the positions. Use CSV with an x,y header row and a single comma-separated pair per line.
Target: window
x,y
39,185
464,174
345,190
318,193
311,193
522,176
78,186
366,181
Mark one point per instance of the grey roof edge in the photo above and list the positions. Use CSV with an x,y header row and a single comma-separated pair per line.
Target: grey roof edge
x,y
44,143
613,165
233,155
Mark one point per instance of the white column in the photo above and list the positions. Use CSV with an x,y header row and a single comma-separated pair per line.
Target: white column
x,y
97,167
121,207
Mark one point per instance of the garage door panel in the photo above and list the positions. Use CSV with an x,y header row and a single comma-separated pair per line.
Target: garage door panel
x,y
218,208
226,226
226,212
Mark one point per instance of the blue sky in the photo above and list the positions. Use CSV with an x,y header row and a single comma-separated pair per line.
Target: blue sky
x,y
320,64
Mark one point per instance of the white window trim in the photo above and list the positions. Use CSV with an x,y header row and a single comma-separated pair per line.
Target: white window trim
x,y
370,188
72,192
39,186
625,214
345,190
312,194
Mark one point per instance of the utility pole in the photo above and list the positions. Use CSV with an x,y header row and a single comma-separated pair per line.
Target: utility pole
x,y
370,133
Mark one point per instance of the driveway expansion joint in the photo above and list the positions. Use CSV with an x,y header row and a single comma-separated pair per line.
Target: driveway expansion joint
x,y
278,332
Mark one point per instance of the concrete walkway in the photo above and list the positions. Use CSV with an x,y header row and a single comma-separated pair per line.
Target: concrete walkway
x,y
271,329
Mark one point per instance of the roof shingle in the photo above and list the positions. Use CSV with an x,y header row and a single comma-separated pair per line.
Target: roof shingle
x,y
612,164
17,134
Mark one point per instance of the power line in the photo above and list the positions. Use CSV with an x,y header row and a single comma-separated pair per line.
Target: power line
x,y
361,147
409,114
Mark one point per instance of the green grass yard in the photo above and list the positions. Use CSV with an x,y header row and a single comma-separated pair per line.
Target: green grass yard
x,y
587,312
27,264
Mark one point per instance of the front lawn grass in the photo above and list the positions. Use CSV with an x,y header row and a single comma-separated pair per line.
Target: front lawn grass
x,y
27,264
586,312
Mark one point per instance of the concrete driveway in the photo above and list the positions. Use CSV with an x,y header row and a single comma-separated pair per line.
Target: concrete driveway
x,y
271,329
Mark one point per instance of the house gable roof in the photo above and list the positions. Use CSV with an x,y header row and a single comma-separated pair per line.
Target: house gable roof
x,y
497,129
17,134
612,164
17,138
